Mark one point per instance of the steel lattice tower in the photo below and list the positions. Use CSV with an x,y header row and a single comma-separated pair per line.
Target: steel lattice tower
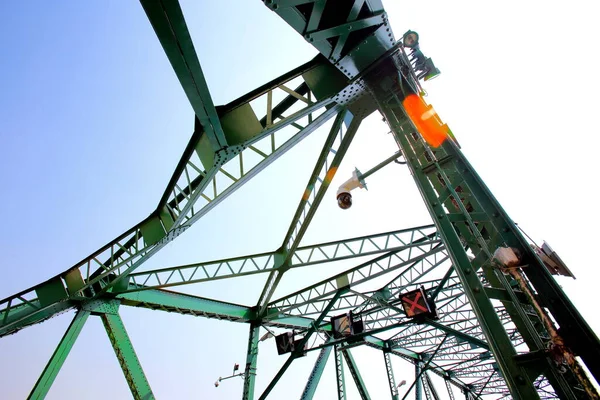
x,y
491,307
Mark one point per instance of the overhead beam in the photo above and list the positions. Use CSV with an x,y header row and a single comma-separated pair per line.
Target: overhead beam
x,y
169,24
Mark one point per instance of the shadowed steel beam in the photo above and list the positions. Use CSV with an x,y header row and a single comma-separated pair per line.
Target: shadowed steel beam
x,y
42,386
315,375
169,24
339,374
251,360
360,384
130,364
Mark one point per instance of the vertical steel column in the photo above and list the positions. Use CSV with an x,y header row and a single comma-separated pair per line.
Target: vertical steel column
x,y
339,374
315,375
251,360
418,385
390,375
360,384
130,364
43,384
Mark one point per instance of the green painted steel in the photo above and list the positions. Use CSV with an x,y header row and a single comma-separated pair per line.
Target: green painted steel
x,y
337,143
339,374
358,380
42,386
299,347
132,369
315,374
169,24
251,362
186,304
390,375
360,68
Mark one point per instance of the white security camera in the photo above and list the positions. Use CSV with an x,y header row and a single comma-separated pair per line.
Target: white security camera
x,y
344,198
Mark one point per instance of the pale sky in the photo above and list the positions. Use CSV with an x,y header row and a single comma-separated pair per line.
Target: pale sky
x,y
93,122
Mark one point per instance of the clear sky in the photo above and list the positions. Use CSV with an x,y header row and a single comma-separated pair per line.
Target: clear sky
x,y
93,122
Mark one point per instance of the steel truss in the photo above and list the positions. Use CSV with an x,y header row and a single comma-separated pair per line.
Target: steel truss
x,y
494,327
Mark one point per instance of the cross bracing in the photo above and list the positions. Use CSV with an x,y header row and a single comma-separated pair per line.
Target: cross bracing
x,y
230,145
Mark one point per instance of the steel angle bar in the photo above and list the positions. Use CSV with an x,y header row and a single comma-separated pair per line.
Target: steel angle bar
x,y
43,384
353,276
356,376
201,272
339,374
335,147
315,374
362,246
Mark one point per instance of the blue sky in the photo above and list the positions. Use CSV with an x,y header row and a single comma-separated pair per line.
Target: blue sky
x,y
93,121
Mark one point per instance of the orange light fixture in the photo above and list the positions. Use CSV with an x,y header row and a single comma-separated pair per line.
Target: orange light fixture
x,y
426,120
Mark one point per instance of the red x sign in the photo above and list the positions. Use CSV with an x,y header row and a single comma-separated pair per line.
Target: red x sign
x,y
414,303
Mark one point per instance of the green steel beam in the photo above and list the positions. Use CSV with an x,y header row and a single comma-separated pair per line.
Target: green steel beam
x,y
497,338
186,304
132,369
43,384
379,266
458,334
358,380
420,370
418,384
126,252
339,374
169,24
299,350
315,374
390,375
339,139
337,143
265,262
336,20
251,361
18,316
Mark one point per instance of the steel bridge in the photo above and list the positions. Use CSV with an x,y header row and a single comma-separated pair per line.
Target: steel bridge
x,y
485,310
